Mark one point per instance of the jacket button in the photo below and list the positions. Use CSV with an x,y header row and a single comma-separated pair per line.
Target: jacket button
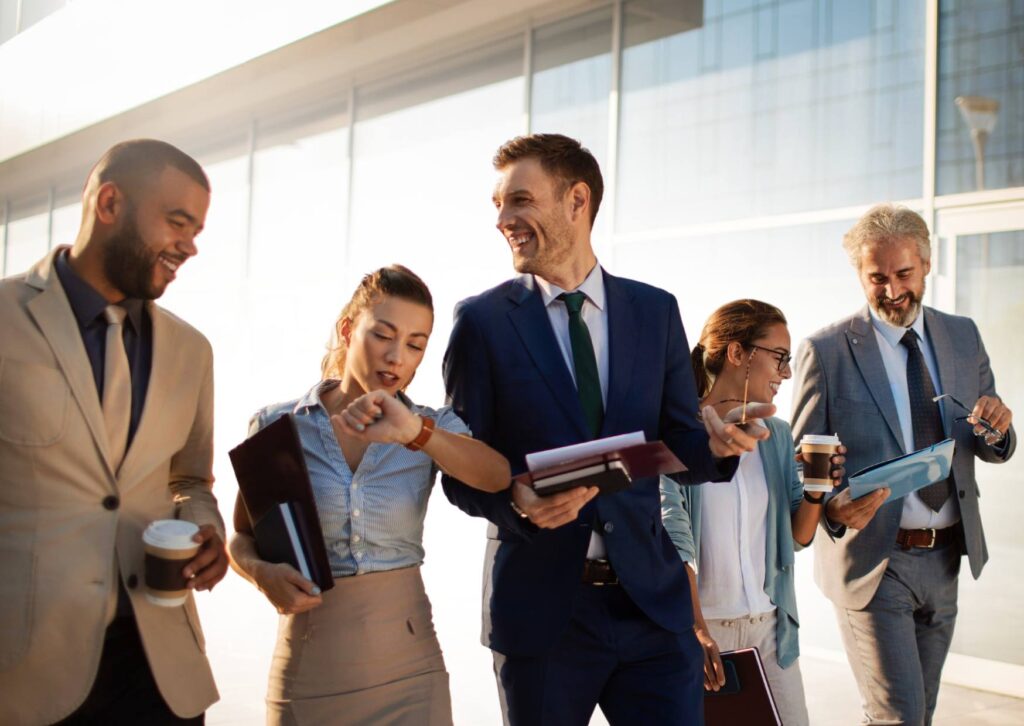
x,y
111,502
133,582
962,494
608,527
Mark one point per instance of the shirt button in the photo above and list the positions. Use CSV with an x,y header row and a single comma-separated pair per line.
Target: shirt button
x,y
359,555
133,582
355,485
962,494
356,538
355,512
608,527
111,502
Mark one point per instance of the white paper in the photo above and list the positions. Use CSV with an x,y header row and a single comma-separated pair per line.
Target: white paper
x,y
562,455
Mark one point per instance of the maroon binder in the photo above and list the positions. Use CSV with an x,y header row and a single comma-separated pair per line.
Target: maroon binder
x,y
746,697
611,471
271,470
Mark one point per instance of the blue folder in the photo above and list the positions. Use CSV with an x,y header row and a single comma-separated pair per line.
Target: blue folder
x,y
907,473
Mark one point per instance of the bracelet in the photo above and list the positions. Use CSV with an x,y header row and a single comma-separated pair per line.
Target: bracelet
x,y
517,510
812,500
423,436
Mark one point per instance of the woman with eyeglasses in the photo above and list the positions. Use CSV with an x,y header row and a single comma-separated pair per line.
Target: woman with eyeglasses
x,y
738,539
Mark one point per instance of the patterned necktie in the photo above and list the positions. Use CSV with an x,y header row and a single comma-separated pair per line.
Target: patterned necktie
x,y
117,385
588,382
925,416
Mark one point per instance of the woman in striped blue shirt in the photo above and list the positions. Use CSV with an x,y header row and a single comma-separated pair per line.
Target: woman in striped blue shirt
x,y
366,651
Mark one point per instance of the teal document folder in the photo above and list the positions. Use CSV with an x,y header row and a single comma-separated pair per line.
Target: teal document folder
x,y
907,473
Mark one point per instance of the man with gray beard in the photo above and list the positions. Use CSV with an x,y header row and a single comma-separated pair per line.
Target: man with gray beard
x,y
890,568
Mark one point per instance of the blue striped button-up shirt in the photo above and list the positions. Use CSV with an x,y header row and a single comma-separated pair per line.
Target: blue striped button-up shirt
x,y
372,519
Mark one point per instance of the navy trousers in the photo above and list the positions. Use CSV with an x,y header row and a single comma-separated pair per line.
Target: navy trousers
x,y
613,656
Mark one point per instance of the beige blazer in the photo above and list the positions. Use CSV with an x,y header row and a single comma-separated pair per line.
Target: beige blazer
x,y
60,544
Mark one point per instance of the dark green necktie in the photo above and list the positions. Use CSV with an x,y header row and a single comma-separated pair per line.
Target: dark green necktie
x,y
588,382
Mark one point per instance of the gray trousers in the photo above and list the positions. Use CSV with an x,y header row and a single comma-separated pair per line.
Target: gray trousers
x,y
898,643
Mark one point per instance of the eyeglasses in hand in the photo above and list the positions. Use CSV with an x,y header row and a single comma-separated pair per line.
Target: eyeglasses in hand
x,y
989,428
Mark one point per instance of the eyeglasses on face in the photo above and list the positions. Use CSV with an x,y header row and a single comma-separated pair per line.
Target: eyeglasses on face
x,y
782,358
989,428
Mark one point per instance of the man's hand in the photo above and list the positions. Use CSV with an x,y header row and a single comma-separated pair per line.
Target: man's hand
x,y
286,588
727,437
208,567
996,413
855,513
553,511
714,671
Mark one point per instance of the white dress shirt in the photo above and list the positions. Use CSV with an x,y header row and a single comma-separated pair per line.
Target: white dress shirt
x,y
595,314
916,514
732,543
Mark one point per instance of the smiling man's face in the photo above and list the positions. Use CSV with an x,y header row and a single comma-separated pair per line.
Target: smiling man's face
x,y
893,278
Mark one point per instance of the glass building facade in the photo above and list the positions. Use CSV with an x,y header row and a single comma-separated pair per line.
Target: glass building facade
x,y
739,140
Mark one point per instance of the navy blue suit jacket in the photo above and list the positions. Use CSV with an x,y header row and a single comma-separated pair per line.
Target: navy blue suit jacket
x,y
506,377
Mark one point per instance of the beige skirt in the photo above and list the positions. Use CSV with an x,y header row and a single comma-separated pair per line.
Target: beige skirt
x,y
367,655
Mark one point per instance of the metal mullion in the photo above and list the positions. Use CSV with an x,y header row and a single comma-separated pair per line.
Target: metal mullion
x,y
611,175
930,131
528,78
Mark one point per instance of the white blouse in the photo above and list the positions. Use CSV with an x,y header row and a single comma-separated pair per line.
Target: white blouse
x,y
731,560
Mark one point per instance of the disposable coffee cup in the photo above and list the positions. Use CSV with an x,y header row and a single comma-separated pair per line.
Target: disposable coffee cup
x,y
817,452
169,547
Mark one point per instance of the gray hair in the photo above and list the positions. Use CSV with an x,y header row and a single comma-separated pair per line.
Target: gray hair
x,y
887,224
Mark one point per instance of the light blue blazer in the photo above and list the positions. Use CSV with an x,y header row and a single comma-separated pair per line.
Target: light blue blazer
x,y
680,512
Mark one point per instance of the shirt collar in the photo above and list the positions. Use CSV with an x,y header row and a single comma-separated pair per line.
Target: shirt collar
x,y
86,303
893,334
313,397
592,286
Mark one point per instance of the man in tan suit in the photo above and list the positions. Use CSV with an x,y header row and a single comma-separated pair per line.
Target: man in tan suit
x,y
79,642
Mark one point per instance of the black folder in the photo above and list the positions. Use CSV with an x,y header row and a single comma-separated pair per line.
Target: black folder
x,y
271,472
746,698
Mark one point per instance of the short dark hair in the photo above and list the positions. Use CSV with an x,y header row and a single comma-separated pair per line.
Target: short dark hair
x,y
130,164
560,156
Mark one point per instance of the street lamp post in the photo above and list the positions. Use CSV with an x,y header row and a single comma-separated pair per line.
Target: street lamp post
x,y
980,113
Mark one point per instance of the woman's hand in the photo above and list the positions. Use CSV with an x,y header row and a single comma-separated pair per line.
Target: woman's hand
x,y
286,588
378,417
714,672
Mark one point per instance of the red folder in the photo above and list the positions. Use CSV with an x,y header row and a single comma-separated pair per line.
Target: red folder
x,y
746,697
611,471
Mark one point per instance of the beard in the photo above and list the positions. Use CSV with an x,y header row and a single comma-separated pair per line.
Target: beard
x,y
559,239
900,318
128,262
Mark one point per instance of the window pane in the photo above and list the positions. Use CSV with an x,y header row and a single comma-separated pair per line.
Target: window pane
x,y
818,291
422,182
786,106
32,11
981,56
65,223
27,236
989,270
8,19
299,218
572,76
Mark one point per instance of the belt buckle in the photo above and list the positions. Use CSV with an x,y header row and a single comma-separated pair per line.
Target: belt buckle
x,y
930,545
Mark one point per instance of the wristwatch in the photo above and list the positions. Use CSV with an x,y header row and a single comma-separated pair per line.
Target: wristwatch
x,y
812,500
517,510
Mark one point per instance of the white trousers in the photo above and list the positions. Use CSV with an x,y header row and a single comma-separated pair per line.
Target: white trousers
x,y
758,631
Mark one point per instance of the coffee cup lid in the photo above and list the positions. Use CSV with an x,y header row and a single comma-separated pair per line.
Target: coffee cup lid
x,y
822,439
170,533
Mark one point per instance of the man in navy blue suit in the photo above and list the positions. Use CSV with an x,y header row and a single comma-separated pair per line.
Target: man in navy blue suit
x,y
585,601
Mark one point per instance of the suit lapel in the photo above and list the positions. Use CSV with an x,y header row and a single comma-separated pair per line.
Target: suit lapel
x,y
864,347
531,322
52,313
623,332
945,357
158,407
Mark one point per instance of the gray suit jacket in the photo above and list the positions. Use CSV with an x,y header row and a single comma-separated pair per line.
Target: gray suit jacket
x,y
841,387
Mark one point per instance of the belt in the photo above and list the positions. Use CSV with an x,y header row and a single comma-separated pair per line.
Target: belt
x,y
599,572
927,539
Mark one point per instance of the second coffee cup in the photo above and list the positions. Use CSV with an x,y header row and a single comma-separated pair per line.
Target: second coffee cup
x,y
169,547
817,452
